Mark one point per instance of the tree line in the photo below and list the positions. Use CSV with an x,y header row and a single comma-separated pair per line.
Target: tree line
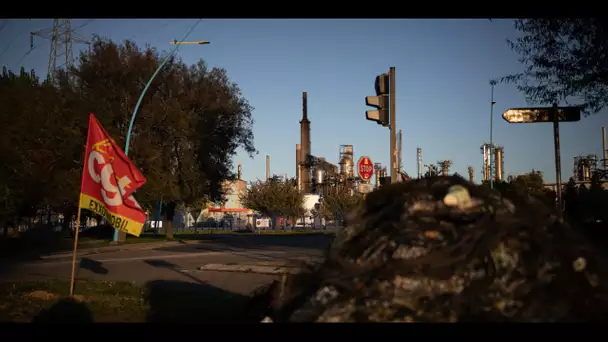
x,y
188,127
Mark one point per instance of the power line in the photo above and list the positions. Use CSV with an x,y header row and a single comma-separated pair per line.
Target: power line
x,y
4,25
24,56
150,30
10,43
84,24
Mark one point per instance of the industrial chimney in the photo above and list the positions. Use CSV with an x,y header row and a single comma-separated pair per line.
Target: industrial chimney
x,y
419,161
304,145
399,151
471,175
267,168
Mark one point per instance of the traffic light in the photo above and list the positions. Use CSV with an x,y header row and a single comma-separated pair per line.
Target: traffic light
x,y
380,101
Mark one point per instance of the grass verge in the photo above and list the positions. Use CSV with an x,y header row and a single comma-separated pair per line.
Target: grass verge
x,y
102,301
47,301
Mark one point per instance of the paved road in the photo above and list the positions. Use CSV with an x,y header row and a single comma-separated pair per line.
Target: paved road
x,y
181,263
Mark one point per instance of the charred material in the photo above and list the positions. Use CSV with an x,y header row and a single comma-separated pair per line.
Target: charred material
x,y
444,250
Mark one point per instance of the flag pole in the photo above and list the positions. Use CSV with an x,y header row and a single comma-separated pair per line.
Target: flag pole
x,y
72,277
84,163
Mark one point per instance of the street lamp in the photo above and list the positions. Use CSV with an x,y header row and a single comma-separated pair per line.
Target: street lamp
x,y
200,42
492,102
141,97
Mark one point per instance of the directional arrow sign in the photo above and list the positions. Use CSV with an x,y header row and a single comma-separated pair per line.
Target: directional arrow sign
x,y
547,114
532,115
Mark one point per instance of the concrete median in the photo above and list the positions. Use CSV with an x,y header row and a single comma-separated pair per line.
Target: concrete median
x,y
292,266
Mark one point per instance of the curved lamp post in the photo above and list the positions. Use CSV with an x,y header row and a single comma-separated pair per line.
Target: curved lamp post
x,y
177,46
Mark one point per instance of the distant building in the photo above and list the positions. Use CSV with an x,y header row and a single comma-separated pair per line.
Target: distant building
x,y
234,190
231,211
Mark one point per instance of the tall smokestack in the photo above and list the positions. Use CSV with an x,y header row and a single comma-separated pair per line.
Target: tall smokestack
x,y
304,145
471,174
399,149
298,166
419,161
604,148
267,168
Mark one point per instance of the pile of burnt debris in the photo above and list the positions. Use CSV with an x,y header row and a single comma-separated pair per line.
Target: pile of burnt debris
x,y
445,250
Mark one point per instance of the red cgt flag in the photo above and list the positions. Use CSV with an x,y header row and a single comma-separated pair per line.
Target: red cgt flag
x,y
109,179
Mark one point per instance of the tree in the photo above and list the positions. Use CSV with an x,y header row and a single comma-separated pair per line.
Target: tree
x,y
572,199
337,204
530,183
273,198
563,58
33,147
189,125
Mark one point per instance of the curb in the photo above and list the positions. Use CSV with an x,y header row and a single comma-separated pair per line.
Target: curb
x,y
120,248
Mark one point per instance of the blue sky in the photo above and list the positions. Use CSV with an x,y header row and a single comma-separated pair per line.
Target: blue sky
x,y
443,96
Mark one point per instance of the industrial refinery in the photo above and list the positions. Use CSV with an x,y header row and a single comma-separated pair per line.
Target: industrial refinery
x,y
588,166
314,172
584,167
492,168
316,175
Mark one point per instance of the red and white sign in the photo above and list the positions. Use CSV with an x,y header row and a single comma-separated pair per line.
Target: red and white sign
x,y
365,167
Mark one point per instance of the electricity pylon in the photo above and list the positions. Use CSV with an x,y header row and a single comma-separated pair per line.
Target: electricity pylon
x,y
62,37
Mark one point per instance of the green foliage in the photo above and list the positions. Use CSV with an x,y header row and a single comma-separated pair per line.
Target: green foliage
x,y
563,58
530,183
273,198
190,123
338,204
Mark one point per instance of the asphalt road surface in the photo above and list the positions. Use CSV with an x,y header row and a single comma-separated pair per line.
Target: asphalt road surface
x,y
182,262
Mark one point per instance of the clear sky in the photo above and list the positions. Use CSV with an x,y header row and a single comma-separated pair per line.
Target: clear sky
x,y
443,96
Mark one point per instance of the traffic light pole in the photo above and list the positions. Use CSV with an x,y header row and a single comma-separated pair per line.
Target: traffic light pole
x,y
393,126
